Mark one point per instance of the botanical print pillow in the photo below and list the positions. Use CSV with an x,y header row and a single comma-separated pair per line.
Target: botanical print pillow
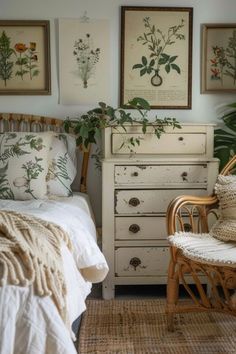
x,y
62,169
24,165
225,228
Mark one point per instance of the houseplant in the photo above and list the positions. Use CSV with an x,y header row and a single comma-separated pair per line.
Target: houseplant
x,y
225,137
88,126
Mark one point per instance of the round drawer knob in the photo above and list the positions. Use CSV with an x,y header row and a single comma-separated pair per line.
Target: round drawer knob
x,y
181,138
135,262
184,176
134,202
135,174
134,228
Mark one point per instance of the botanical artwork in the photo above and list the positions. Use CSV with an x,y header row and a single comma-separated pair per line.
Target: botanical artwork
x,y
86,57
57,170
15,147
24,57
84,61
223,61
158,42
218,57
17,59
156,45
62,169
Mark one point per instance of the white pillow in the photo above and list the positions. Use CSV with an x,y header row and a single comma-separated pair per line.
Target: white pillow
x,y
24,165
225,228
62,168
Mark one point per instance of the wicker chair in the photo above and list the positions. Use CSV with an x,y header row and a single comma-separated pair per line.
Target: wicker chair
x,y
190,214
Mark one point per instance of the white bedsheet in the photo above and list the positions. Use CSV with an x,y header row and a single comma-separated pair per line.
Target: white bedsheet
x,y
38,326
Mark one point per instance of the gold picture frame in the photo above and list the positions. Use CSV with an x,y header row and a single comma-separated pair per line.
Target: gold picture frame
x,y
218,57
156,56
25,57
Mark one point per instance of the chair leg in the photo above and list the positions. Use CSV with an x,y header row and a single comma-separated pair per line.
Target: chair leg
x,y
170,322
172,296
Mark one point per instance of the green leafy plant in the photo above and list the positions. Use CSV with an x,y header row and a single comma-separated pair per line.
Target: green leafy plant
x,y
223,62
86,57
225,137
26,60
58,170
88,126
32,170
6,64
157,42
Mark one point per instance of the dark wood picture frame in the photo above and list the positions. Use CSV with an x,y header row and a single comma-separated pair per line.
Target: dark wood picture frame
x,y
162,76
25,57
218,58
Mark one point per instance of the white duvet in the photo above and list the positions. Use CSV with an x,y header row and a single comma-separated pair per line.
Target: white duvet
x,y
30,324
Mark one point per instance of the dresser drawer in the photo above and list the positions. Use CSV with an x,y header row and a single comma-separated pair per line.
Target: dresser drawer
x,y
141,261
169,143
140,228
149,201
160,174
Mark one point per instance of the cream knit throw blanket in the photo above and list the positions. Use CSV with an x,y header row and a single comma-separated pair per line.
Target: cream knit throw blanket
x,y
30,254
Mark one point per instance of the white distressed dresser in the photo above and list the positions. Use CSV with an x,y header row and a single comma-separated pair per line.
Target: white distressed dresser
x,y
136,191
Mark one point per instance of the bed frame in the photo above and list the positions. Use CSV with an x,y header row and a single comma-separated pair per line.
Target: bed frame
x,y
32,123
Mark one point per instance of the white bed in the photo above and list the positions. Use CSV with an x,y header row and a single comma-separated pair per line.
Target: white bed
x,y
31,324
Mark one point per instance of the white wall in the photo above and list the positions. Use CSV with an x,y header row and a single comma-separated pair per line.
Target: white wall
x,y
203,105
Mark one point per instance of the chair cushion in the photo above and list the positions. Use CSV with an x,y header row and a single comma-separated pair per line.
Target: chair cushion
x,y
225,228
205,249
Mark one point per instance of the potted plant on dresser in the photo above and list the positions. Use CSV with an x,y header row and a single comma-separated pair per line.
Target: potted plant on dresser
x,y
89,126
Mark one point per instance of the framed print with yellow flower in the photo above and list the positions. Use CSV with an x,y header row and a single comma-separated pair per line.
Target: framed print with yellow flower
x,y
25,57
218,64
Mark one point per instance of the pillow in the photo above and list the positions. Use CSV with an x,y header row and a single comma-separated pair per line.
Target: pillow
x,y
225,227
62,168
24,165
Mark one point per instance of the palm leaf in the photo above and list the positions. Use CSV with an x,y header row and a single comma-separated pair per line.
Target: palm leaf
x,y
225,138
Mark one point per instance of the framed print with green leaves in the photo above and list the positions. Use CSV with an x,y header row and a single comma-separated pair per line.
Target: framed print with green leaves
x,y
156,56
218,64
24,57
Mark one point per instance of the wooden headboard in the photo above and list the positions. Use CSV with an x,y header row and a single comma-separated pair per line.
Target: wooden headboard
x,y
33,123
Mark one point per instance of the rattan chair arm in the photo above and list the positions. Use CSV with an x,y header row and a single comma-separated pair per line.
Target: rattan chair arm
x,y
182,200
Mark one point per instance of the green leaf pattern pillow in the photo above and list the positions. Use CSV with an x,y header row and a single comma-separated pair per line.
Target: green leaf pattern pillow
x,y
62,169
24,165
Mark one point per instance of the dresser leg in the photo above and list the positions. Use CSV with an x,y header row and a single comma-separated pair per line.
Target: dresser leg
x,y
108,291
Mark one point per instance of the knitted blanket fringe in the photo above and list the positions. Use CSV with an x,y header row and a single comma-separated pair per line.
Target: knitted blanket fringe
x,y
30,254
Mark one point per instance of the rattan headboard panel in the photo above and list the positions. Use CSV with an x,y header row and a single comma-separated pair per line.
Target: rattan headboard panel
x,y
18,122
28,123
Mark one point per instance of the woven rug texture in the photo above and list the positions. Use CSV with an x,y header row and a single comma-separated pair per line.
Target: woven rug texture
x,y
140,327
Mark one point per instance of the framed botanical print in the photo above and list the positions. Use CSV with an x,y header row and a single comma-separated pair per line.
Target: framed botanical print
x,y
24,57
84,61
218,64
156,56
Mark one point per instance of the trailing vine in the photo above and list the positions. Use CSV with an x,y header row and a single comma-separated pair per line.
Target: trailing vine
x,y
88,126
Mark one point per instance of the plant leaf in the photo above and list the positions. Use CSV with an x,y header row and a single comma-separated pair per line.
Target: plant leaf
x,y
173,58
167,68
144,60
152,62
143,71
176,68
137,66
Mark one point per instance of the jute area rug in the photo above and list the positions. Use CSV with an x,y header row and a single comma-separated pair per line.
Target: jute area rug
x,y
140,327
